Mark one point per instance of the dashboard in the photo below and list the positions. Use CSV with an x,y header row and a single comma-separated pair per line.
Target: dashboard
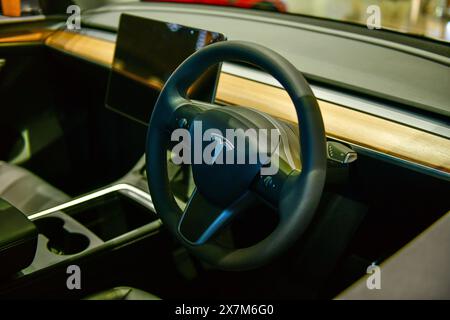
x,y
371,127
410,72
372,134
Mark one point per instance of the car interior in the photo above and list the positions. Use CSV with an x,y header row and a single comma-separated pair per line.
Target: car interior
x,y
87,175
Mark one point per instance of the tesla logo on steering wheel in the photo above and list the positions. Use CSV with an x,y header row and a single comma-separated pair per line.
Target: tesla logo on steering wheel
x,y
221,142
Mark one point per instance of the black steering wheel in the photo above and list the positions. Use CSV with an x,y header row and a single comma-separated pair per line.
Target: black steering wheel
x,y
223,189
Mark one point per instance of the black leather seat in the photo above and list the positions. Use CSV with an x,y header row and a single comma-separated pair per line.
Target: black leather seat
x,y
26,191
122,293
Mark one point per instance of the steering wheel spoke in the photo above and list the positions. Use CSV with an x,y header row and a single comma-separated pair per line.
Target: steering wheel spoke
x,y
201,219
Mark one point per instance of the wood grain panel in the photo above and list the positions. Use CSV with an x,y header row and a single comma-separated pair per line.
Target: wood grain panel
x,y
340,122
349,125
28,36
96,50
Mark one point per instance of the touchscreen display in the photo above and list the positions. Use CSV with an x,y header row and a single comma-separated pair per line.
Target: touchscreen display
x,y
147,52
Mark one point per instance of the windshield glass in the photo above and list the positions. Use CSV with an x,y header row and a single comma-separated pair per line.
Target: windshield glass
x,y
427,18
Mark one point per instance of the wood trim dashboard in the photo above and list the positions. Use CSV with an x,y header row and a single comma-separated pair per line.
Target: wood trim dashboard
x,y
355,127
30,36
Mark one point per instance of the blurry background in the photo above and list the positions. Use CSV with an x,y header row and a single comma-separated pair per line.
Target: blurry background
x,y
421,17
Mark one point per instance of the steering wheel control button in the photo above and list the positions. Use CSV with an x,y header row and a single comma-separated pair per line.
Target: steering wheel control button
x,y
268,188
183,116
182,123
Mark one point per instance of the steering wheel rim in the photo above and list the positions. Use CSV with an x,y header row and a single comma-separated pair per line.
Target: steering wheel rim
x,y
300,194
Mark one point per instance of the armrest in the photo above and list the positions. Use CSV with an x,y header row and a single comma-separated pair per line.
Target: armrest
x,y
18,240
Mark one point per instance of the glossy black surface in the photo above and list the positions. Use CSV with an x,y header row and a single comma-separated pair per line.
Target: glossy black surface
x,y
147,52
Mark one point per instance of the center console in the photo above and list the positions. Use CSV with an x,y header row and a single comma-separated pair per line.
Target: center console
x,y
104,218
112,234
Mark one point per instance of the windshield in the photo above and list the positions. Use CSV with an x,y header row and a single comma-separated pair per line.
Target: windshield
x,y
427,18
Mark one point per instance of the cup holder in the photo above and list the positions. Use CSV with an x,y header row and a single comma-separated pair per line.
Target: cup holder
x,y
61,241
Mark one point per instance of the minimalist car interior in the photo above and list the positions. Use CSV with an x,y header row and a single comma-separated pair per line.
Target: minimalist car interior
x,y
358,123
